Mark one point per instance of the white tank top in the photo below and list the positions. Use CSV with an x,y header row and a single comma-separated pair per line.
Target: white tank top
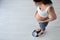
x,y
44,13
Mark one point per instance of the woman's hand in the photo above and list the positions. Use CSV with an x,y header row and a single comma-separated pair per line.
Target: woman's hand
x,y
44,20
41,21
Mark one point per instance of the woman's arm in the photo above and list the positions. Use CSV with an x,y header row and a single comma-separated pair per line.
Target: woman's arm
x,y
52,14
36,12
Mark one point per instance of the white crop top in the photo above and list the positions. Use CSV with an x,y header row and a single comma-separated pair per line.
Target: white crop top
x,y
44,13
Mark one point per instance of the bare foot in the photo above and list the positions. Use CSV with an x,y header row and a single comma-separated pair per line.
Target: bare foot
x,y
38,29
40,33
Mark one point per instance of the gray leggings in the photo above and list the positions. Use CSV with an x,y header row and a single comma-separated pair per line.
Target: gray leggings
x,y
43,25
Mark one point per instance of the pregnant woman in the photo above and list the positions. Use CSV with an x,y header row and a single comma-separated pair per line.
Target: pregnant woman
x,y
44,14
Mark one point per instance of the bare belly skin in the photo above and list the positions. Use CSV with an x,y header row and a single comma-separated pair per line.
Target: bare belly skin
x,y
39,18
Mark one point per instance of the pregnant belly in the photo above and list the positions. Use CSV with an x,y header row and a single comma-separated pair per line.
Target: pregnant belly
x,y
39,18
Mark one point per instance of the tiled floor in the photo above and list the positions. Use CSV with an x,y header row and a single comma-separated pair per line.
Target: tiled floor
x,y
17,21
